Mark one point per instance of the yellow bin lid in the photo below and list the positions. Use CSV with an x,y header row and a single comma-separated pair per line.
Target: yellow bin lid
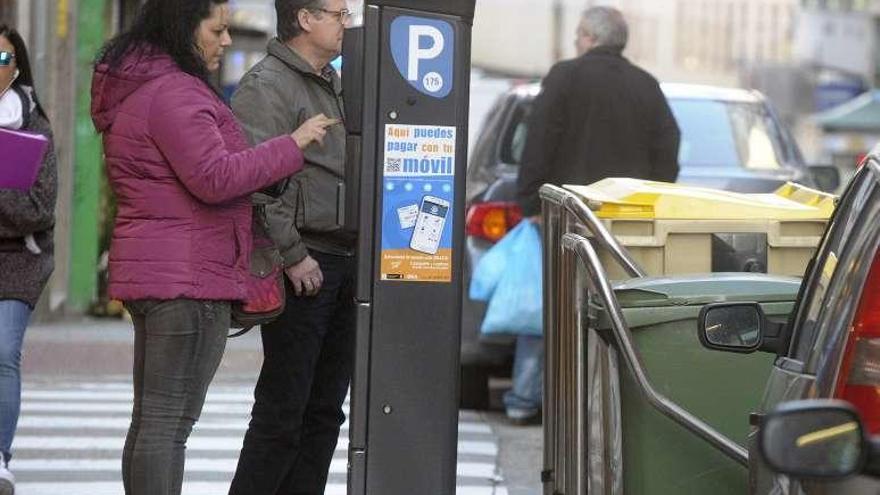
x,y
636,198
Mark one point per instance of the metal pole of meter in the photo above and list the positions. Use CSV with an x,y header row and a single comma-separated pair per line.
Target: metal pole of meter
x,y
406,76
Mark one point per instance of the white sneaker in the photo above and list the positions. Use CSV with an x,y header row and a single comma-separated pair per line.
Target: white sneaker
x,y
7,480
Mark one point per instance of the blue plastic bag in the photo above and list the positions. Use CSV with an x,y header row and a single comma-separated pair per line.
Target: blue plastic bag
x,y
508,276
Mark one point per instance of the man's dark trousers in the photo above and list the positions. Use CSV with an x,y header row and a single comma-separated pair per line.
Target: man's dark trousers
x,y
297,415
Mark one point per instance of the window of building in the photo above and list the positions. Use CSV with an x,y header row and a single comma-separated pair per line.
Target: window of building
x,y
840,5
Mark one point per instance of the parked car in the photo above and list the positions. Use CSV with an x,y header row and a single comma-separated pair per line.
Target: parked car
x,y
830,348
731,139
818,439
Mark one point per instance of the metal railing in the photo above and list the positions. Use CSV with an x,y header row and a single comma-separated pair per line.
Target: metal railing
x,y
582,417
570,364
572,207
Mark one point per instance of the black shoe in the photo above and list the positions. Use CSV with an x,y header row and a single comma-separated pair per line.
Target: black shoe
x,y
524,417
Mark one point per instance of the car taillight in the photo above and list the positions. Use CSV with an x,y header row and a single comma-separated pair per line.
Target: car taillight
x,y
859,379
492,220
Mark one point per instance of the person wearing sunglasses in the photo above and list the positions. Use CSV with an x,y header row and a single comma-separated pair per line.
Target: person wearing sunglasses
x,y
308,351
27,219
182,172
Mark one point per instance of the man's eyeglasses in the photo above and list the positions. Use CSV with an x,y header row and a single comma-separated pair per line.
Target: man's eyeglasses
x,y
341,15
6,58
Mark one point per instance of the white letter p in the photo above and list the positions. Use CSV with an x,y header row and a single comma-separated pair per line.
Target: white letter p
x,y
417,54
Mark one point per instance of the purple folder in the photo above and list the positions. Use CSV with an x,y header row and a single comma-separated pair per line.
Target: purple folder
x,y
21,154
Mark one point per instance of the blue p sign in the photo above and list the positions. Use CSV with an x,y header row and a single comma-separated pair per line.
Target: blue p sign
x,y
423,52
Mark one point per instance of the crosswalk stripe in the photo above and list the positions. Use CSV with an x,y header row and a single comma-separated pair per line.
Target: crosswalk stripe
x,y
115,488
214,444
477,448
199,465
122,422
126,396
121,407
474,490
200,488
27,442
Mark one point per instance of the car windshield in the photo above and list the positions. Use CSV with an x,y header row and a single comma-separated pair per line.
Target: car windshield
x,y
714,134
726,134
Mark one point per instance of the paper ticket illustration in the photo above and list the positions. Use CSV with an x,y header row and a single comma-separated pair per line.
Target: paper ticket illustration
x,y
407,216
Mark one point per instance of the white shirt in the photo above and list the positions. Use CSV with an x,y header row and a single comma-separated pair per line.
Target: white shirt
x,y
11,110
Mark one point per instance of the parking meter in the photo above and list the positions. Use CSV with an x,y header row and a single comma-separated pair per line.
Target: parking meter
x,y
406,76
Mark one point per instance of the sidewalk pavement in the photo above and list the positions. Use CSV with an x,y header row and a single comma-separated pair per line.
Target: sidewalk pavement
x,y
520,448
104,346
520,454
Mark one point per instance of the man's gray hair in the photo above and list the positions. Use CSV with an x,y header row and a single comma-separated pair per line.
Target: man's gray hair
x,y
286,13
607,26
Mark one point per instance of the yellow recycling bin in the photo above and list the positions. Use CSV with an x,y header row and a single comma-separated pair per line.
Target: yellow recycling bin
x,y
674,229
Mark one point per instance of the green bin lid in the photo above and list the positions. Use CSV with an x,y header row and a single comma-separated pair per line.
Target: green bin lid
x,y
693,290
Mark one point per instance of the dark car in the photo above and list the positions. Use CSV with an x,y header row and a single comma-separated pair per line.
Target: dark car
x,y
830,349
731,139
820,439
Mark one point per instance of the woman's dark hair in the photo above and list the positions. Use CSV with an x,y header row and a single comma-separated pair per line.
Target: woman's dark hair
x,y
168,26
22,62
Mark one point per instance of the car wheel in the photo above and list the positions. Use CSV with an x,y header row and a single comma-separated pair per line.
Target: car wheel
x,y
474,387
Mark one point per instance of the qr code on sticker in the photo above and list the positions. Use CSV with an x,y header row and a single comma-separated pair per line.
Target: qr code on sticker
x,y
394,165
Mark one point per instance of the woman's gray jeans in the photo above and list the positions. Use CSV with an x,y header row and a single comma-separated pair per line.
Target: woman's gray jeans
x,y
178,347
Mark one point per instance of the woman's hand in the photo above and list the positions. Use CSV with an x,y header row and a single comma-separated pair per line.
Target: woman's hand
x,y
312,130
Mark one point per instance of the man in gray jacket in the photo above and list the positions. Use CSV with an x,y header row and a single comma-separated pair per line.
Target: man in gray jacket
x,y
308,351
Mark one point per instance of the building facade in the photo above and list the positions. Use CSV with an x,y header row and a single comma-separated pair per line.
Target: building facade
x,y
708,41
841,35
7,12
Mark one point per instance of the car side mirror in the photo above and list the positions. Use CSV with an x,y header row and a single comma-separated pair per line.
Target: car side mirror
x,y
739,327
826,177
814,439
732,327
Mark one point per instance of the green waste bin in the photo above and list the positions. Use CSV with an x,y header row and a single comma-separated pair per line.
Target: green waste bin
x,y
659,456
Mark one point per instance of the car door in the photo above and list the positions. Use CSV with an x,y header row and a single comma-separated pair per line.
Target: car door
x,y
494,166
821,330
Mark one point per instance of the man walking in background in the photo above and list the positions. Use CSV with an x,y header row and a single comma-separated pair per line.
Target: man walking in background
x,y
597,116
309,350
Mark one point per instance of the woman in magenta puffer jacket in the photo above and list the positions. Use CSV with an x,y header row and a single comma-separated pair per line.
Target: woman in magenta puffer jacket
x,y
182,172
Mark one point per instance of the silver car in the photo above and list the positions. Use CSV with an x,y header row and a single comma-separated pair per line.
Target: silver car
x,y
731,139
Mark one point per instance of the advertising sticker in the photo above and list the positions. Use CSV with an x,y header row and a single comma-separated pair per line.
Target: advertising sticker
x,y
418,191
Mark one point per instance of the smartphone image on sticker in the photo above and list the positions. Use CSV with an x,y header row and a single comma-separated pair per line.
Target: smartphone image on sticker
x,y
429,225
